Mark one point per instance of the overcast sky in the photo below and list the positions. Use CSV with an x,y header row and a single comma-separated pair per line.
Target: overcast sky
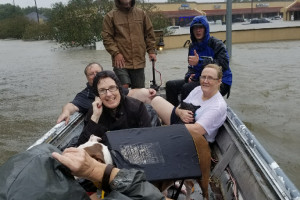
x,y
48,3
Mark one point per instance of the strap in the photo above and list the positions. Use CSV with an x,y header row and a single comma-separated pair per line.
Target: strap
x,y
106,176
204,156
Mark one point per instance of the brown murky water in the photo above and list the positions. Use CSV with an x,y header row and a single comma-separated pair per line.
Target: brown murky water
x,y
38,78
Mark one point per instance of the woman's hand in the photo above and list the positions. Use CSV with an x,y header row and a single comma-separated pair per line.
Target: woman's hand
x,y
186,116
97,109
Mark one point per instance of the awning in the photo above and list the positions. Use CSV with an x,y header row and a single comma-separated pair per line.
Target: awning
x,y
242,11
181,13
295,7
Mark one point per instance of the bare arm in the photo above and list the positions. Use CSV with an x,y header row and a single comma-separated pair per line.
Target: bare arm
x,y
195,128
67,111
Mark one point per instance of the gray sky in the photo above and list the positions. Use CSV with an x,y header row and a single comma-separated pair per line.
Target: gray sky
x,y
48,3
40,3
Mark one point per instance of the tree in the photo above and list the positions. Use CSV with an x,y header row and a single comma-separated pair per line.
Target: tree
x,y
79,23
76,24
9,11
159,20
35,31
13,27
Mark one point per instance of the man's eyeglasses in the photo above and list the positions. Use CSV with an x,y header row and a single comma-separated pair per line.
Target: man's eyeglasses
x,y
112,88
209,78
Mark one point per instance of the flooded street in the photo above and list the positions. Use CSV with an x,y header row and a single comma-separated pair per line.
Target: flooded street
x,y
38,78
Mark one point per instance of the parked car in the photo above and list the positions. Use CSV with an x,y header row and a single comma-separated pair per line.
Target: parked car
x,y
238,20
258,21
172,29
276,18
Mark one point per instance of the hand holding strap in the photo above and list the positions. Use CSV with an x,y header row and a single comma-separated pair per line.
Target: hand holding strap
x,y
106,176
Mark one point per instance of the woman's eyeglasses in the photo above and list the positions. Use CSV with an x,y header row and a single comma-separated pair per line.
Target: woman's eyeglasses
x,y
112,88
208,78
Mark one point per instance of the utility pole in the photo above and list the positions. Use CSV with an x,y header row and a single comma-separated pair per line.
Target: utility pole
x,y
37,13
229,27
251,9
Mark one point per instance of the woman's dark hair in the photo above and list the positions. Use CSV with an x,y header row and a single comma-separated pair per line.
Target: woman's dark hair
x,y
106,74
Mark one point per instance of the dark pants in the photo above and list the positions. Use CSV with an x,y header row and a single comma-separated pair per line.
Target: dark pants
x,y
177,88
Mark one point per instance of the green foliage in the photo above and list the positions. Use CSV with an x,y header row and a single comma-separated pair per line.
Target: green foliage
x,y
9,11
44,11
35,31
159,20
28,10
76,24
13,27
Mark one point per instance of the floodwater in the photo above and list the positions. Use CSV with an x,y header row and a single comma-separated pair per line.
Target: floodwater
x,y
38,78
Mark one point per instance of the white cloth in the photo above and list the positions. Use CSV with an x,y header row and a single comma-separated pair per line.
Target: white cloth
x,y
212,113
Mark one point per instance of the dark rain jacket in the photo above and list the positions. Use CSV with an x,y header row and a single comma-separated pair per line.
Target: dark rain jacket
x,y
35,175
210,50
129,32
131,113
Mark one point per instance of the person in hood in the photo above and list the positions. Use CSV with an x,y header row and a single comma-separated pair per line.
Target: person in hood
x,y
127,35
203,50
111,109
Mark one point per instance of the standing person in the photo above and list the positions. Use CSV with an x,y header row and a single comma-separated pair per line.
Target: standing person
x,y
127,35
84,99
204,49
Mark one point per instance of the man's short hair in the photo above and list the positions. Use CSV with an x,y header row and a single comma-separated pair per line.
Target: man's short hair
x,y
90,64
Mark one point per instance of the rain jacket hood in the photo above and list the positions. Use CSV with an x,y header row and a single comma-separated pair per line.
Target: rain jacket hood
x,y
118,5
128,31
209,50
202,20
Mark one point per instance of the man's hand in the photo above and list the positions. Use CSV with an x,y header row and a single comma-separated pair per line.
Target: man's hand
x,y
119,61
193,60
191,78
67,111
79,162
83,165
152,56
64,116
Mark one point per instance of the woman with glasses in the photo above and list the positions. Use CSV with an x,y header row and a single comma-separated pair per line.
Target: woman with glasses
x,y
205,121
112,110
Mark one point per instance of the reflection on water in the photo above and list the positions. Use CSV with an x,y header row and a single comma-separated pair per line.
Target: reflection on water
x,y
38,78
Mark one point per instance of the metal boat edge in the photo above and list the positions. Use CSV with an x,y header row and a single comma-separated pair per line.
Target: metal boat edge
x,y
277,178
265,170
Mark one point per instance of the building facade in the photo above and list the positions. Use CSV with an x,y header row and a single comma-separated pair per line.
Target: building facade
x,y
182,14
